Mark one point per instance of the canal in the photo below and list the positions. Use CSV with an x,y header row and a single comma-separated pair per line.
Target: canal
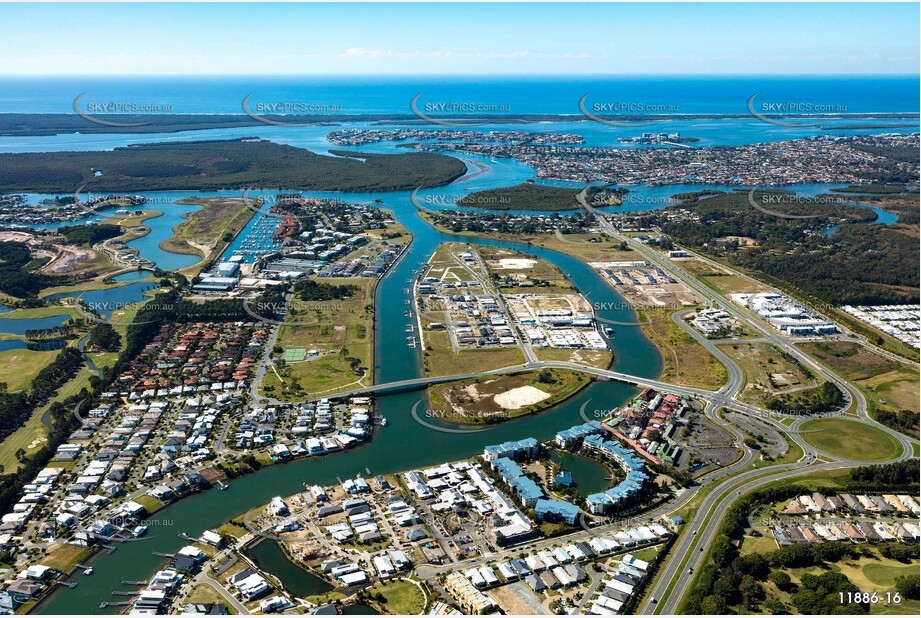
x,y
403,444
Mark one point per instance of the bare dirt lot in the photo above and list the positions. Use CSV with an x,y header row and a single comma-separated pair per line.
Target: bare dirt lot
x,y
646,286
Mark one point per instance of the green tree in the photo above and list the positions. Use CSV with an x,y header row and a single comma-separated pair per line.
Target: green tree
x,y
908,586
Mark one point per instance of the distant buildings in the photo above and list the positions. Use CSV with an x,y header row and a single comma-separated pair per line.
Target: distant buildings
x,y
902,322
785,314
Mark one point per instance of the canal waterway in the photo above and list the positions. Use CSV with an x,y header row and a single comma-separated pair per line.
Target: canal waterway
x,y
403,444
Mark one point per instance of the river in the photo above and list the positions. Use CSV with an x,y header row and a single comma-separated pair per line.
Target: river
x,y
403,444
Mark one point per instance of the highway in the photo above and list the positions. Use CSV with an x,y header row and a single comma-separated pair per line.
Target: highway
x,y
690,549
693,545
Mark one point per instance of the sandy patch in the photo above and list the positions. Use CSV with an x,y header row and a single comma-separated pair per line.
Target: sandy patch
x,y
520,397
516,263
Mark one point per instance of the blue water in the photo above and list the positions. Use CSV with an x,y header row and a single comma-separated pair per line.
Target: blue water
x,y
718,95
19,327
521,95
720,132
12,344
107,300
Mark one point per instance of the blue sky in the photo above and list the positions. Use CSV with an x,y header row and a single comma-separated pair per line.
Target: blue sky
x,y
358,39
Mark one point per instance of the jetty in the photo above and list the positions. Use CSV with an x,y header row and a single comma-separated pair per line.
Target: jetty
x,y
106,604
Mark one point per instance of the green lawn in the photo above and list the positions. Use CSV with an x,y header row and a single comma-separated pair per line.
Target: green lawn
x,y
19,367
149,503
850,439
32,435
401,597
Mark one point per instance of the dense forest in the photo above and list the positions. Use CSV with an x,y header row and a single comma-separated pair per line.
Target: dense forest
x,y
103,338
526,196
89,234
14,279
308,289
857,263
224,164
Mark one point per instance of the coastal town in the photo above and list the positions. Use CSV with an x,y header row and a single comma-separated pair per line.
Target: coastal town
x,y
816,160
486,320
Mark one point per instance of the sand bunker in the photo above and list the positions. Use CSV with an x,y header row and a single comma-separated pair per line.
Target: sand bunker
x,y
520,397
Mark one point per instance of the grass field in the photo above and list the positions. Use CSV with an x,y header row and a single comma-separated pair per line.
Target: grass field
x,y
685,361
65,557
888,385
720,280
205,593
19,367
512,278
850,439
33,433
441,360
458,405
150,504
592,358
206,231
759,544
400,597
340,330
766,370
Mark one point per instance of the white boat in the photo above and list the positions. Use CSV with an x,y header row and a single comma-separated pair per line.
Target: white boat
x,y
88,571
140,531
383,422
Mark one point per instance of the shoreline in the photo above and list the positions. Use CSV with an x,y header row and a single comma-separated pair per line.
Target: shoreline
x,y
48,125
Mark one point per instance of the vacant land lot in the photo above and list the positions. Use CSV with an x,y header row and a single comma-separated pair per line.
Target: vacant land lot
x,y
515,270
721,280
889,386
685,361
767,371
592,358
342,331
207,231
492,399
440,360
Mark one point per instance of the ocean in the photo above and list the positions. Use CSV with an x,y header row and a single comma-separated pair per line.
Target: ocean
x,y
505,95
